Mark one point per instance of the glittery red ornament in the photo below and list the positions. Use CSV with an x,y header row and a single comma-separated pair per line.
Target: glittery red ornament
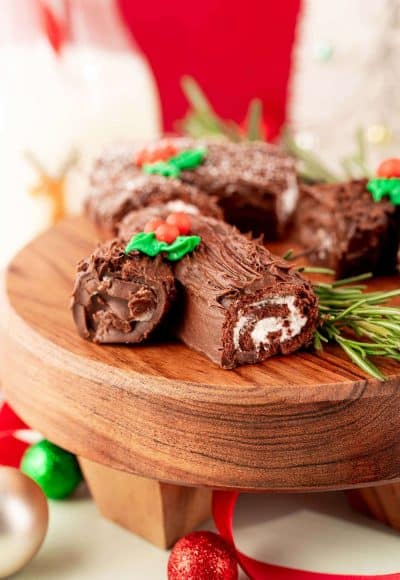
x,y
202,556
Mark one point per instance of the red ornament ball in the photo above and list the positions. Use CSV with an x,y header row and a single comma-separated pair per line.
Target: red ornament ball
x,y
389,168
202,556
182,221
166,233
152,225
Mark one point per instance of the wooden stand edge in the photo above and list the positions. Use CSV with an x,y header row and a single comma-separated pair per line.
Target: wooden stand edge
x,y
159,512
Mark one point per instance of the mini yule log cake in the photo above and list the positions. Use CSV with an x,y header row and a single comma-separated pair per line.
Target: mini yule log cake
x,y
120,298
255,183
240,304
342,227
110,201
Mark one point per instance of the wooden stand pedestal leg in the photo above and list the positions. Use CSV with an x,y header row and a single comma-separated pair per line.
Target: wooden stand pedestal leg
x,y
159,512
381,503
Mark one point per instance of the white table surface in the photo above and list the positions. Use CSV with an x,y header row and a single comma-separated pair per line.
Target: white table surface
x,y
315,532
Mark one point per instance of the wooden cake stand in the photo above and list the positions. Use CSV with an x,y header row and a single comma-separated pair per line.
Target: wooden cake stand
x,y
156,427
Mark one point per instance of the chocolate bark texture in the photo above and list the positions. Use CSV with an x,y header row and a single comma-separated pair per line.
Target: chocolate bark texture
x,y
119,298
343,228
254,183
240,304
110,201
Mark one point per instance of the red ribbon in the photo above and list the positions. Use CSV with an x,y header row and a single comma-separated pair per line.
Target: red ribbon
x,y
224,503
11,449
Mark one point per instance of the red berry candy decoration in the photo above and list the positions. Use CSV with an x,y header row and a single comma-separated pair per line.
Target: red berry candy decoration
x,y
202,556
176,224
182,221
389,168
152,225
159,152
166,233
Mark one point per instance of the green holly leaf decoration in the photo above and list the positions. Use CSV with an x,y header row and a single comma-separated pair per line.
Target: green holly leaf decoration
x,y
395,197
189,159
185,160
383,186
181,246
147,243
164,168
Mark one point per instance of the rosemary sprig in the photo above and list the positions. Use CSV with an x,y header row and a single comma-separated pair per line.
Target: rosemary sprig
x,y
359,322
356,320
201,120
355,165
254,121
311,168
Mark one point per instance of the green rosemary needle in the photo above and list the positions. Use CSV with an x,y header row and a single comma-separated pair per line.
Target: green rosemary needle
x,y
359,322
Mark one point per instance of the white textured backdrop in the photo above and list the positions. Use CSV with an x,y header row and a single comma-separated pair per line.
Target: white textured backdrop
x,y
346,74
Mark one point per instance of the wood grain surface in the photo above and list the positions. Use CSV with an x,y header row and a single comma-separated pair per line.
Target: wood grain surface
x,y
302,422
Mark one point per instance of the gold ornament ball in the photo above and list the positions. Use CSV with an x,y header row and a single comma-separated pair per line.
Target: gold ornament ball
x,y
24,519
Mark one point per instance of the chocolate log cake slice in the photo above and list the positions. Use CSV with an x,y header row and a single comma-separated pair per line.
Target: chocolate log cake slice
x,y
121,298
109,202
254,183
343,228
240,304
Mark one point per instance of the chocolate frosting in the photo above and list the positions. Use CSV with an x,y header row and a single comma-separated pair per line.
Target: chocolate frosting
x,y
245,167
346,230
119,298
109,202
231,277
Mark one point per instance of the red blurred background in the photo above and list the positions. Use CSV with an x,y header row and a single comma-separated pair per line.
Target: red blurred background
x,y
235,50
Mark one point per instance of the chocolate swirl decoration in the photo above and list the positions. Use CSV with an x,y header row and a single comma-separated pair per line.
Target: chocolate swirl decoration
x,y
121,298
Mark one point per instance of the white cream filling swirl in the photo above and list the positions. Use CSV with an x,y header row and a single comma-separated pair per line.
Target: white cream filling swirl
x,y
289,325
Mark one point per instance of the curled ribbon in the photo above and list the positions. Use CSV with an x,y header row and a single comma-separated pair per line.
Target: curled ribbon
x,y
224,503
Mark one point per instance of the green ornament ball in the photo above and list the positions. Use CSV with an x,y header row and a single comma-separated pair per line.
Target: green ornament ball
x,y
55,470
